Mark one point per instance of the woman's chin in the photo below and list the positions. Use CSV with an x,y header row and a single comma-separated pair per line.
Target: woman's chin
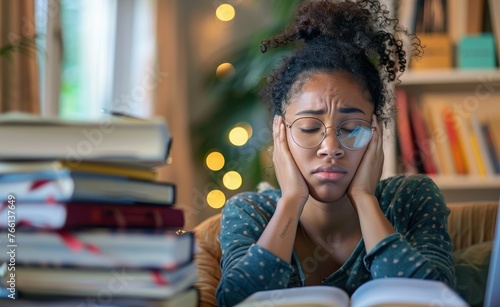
x,y
327,195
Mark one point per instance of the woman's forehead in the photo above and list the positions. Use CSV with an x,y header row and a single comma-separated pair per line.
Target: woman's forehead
x,y
323,91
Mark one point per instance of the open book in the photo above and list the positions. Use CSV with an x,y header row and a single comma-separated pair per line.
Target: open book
x,y
387,292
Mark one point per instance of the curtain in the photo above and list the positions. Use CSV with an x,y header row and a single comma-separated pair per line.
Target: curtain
x,y
171,104
19,90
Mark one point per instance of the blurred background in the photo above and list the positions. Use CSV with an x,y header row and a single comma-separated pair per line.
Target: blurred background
x,y
198,65
195,63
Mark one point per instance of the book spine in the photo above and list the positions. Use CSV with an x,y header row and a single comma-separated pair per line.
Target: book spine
x,y
492,151
123,216
454,141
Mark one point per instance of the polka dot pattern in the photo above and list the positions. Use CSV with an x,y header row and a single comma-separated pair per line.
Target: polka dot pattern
x,y
420,248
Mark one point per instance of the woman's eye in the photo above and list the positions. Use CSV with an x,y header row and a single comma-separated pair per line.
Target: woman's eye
x,y
346,130
309,130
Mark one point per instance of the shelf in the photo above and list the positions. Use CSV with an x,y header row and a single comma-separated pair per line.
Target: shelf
x,y
467,182
468,188
449,76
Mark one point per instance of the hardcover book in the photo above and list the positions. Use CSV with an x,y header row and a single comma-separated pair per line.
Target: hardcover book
x,y
111,140
102,248
84,215
65,185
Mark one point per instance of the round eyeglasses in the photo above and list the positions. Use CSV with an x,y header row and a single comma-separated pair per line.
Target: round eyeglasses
x,y
309,132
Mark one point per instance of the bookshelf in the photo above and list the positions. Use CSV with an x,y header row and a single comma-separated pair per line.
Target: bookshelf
x,y
456,83
452,77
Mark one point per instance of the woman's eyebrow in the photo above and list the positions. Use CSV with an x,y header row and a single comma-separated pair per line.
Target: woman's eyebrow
x,y
351,110
310,112
345,110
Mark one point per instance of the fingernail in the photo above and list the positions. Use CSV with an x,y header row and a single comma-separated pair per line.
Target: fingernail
x,y
275,119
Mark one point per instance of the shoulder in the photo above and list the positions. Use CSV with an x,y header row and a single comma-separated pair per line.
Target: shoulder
x,y
253,204
410,184
409,191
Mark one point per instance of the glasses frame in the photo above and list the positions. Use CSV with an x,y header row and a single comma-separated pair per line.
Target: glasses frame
x,y
337,133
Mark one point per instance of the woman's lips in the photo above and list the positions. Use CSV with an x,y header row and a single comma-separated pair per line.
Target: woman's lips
x,y
330,173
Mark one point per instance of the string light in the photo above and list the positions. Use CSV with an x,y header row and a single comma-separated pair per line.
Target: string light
x,y
216,199
215,161
225,12
238,136
224,71
232,180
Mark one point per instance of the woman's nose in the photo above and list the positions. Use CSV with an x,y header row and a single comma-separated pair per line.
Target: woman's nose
x,y
331,145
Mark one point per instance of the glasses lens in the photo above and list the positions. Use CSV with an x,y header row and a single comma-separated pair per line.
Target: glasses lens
x,y
354,134
307,132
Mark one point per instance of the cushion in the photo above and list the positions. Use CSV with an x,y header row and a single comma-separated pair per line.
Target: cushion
x,y
471,267
471,223
207,259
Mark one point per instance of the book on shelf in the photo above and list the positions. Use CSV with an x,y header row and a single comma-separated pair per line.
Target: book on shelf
x,y
65,185
432,108
111,140
493,150
494,129
405,134
424,144
494,7
81,215
377,292
455,143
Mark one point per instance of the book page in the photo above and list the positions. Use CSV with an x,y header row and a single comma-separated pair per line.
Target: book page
x,y
313,296
406,292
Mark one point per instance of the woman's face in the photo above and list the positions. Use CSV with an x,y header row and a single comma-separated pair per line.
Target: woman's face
x,y
332,98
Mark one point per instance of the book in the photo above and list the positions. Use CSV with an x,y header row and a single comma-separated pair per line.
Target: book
x,y
188,298
493,151
75,215
377,292
469,145
68,282
110,140
494,8
456,147
102,248
493,124
482,145
404,133
456,12
474,16
65,185
425,146
33,166
432,106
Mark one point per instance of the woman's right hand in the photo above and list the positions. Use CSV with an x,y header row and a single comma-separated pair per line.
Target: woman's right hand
x,y
292,183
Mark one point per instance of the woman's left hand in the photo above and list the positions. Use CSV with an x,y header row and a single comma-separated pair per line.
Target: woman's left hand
x,y
370,168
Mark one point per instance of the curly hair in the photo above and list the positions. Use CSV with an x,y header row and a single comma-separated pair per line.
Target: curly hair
x,y
356,37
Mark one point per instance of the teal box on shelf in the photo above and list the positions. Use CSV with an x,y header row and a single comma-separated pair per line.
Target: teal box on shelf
x,y
477,51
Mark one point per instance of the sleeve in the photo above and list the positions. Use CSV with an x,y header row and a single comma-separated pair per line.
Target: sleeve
x,y
246,267
421,246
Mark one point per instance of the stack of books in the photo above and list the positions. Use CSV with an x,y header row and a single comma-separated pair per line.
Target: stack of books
x,y
84,219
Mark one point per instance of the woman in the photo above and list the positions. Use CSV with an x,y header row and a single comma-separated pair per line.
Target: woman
x,y
333,221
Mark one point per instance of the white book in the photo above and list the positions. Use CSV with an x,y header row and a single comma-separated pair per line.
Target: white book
x,y
379,292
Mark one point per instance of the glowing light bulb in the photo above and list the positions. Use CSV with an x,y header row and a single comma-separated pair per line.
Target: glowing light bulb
x,y
216,199
224,71
238,136
225,12
215,161
232,180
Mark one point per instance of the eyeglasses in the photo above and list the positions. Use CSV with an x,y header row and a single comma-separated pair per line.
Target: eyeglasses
x,y
309,132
